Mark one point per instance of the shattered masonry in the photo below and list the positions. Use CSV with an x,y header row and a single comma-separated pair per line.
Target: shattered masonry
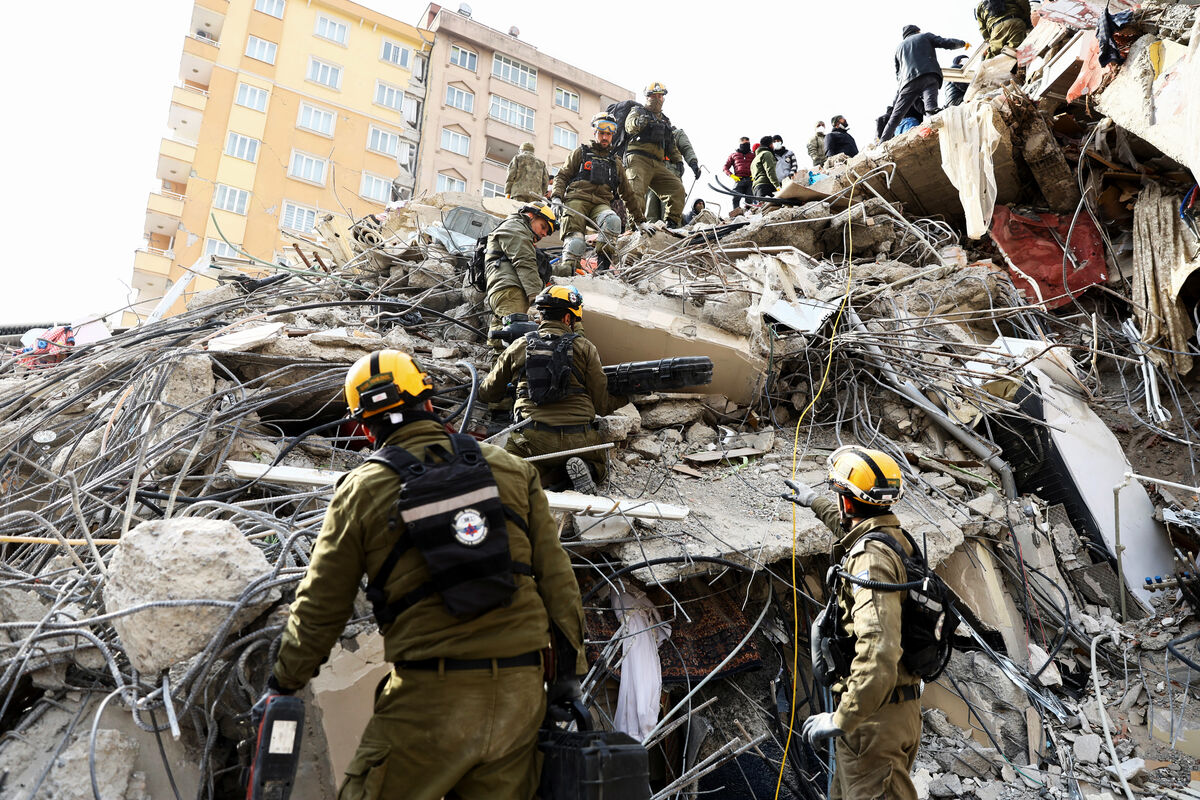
x,y
1004,298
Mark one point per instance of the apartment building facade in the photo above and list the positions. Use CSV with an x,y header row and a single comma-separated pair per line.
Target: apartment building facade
x,y
488,93
284,110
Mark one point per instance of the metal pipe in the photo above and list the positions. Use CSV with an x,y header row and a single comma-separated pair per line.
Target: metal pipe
x,y
1120,548
561,453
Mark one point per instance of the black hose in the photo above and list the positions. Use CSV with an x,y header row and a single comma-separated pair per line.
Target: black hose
x,y
667,560
470,402
1173,648
381,304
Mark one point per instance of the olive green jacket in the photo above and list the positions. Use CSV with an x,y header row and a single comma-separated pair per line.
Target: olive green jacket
x,y
355,540
816,149
687,153
639,117
991,25
872,616
511,260
574,409
762,169
566,187
527,177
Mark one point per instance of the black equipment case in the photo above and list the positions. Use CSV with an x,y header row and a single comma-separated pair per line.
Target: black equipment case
x,y
592,765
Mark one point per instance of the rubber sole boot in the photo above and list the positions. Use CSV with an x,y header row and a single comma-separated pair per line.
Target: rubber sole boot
x,y
580,475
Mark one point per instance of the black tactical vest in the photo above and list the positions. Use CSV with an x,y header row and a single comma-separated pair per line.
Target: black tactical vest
x,y
597,169
549,364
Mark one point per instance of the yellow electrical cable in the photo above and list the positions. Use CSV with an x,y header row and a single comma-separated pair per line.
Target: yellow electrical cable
x,y
795,453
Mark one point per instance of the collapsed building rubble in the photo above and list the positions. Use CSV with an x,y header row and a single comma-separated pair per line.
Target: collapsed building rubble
x,y
1018,330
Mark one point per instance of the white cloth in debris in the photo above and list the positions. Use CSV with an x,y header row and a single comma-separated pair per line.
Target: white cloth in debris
x,y
638,701
967,139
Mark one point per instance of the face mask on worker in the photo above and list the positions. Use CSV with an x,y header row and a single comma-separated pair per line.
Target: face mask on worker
x,y
842,125
655,103
744,148
779,147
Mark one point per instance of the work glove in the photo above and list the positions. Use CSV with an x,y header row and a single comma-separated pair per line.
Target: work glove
x,y
646,228
802,494
820,727
695,165
560,695
556,203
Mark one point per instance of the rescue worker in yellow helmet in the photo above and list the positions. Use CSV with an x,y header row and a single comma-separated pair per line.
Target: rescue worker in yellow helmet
x,y
650,151
561,387
458,715
876,722
511,264
587,183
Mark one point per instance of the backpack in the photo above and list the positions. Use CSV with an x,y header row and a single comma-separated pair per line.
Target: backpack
x,y
928,618
620,112
549,364
477,266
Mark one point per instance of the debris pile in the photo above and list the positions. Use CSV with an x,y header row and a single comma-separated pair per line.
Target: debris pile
x,y
1004,299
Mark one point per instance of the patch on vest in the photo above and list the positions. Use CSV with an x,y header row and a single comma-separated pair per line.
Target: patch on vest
x,y
470,528
865,575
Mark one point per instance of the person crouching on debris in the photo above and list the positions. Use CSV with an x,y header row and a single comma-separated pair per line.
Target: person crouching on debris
x,y
511,266
561,387
877,716
459,714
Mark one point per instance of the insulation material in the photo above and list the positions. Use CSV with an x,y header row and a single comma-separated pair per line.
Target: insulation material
x,y
969,137
1081,15
641,672
1033,250
1158,254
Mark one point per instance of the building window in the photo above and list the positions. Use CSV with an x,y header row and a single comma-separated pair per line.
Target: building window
x,y
460,99
511,113
449,183
298,218
394,54
332,30
219,247
514,72
566,99
307,168
228,198
456,142
242,147
376,188
317,120
492,189
420,62
324,73
272,7
411,110
564,137
252,97
406,156
260,49
389,96
381,141
463,58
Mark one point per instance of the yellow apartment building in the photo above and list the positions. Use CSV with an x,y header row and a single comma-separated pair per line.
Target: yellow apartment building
x,y
284,110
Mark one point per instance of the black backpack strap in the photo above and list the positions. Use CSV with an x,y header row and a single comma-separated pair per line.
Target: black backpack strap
x,y
566,348
404,464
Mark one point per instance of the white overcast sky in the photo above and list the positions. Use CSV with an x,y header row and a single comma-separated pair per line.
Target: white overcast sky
x,y
87,88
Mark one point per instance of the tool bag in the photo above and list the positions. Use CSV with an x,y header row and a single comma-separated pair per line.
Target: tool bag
x,y
592,765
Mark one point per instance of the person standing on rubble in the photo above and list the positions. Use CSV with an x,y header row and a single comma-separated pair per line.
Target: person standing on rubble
x,y
687,154
786,165
510,264
954,92
737,167
816,145
876,721
561,387
839,141
918,73
651,147
527,178
586,185
458,715
1003,23
762,169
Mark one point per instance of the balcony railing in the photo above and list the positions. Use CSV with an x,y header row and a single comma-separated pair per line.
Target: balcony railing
x,y
200,37
195,89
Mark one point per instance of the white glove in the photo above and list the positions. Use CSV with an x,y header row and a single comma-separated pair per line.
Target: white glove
x,y
802,494
647,228
820,727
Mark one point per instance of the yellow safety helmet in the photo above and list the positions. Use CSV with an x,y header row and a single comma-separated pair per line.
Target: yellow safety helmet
x,y
604,123
545,212
871,477
384,380
560,299
656,88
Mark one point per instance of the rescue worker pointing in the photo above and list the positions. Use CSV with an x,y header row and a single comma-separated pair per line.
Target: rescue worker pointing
x,y
468,582
651,148
877,716
587,184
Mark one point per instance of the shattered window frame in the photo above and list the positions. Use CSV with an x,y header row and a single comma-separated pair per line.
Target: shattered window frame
x,y
242,147
246,91
302,166
510,112
308,113
231,199
261,49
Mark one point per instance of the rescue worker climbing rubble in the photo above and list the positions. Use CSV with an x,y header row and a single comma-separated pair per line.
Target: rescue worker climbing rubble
x,y
561,387
876,720
527,177
458,715
511,265
1003,23
687,153
587,184
651,147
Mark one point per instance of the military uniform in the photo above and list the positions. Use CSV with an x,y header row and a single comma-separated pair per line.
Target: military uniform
x,y
651,147
878,705
687,155
527,177
574,184
1003,23
563,425
438,730
510,266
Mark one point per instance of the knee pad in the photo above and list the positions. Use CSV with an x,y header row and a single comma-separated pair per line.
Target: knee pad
x,y
574,247
610,223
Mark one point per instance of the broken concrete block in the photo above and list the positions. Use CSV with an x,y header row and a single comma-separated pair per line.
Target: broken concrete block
x,y
213,297
601,528
180,559
70,778
1037,657
671,412
946,785
921,779
1087,748
987,505
969,761
700,434
992,790
191,381
646,447
1130,768
618,428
